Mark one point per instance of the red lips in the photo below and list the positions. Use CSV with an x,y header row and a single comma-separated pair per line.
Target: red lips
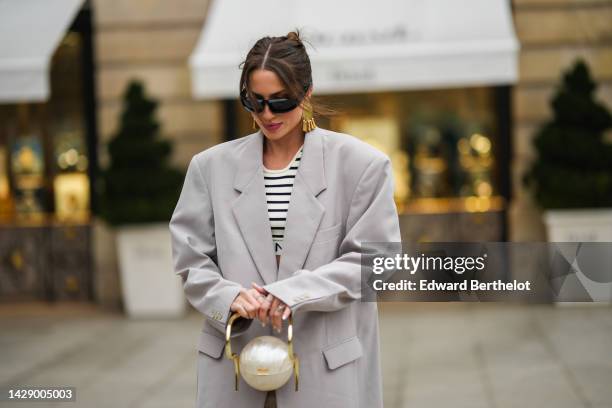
x,y
273,126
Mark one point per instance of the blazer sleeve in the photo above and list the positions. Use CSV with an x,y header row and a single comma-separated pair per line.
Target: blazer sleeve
x,y
372,217
194,254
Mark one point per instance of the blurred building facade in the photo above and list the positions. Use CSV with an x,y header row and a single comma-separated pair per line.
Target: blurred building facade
x,y
459,153
47,151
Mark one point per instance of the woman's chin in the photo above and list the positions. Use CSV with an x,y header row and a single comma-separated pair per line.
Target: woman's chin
x,y
275,135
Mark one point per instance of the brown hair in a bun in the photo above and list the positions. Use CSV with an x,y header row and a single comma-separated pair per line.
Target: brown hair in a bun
x,y
284,55
287,57
294,36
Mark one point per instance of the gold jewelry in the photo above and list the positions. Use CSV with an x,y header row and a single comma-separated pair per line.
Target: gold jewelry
x,y
308,122
254,125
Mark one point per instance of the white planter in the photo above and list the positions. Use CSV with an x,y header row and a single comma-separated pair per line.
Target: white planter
x,y
583,225
149,285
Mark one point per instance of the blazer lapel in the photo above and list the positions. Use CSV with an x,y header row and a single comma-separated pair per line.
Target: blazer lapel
x,y
250,208
305,211
304,214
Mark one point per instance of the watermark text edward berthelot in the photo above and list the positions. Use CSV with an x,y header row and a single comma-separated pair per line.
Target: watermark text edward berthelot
x,y
457,264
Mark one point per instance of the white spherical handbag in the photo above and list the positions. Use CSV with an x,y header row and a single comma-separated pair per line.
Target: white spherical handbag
x,y
266,362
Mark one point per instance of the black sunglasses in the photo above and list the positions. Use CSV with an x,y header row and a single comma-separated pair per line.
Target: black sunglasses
x,y
276,105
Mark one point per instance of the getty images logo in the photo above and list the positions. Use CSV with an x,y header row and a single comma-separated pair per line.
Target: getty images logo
x,y
424,263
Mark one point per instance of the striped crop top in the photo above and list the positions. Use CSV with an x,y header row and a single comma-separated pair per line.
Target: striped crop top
x,y
279,185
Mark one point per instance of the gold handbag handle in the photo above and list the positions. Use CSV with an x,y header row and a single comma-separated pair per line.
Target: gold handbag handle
x,y
228,349
236,358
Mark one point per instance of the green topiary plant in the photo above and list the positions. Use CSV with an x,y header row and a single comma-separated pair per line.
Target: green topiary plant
x,y
574,164
138,186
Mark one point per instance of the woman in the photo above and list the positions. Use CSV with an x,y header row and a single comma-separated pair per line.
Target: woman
x,y
271,224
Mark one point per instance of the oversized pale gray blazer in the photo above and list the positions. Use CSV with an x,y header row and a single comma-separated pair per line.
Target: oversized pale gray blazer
x,y
221,241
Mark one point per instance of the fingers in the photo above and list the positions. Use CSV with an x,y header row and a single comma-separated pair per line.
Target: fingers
x,y
267,307
277,313
273,307
250,299
276,318
261,313
264,303
248,303
259,288
259,293
286,312
239,308
251,304
261,300
263,309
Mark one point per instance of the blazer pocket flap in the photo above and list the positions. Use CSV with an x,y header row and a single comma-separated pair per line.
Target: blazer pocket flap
x,y
343,353
211,345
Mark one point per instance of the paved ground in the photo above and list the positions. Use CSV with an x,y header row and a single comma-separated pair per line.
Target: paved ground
x,y
434,355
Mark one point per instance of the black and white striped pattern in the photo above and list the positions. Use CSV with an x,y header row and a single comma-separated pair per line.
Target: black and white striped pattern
x,y
279,184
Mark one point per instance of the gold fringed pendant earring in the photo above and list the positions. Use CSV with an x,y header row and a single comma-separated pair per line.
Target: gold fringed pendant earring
x,y
254,125
308,122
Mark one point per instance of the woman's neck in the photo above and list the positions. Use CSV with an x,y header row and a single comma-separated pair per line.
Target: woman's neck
x,y
277,152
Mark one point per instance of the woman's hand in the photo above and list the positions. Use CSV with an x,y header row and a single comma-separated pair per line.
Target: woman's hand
x,y
271,308
246,303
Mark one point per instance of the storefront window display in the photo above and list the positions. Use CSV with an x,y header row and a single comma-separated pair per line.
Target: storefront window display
x,y
45,185
443,144
43,150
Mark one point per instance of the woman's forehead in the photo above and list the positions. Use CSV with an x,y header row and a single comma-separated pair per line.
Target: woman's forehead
x,y
265,83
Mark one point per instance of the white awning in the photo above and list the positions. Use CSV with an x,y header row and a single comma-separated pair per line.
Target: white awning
x,y
30,31
364,45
